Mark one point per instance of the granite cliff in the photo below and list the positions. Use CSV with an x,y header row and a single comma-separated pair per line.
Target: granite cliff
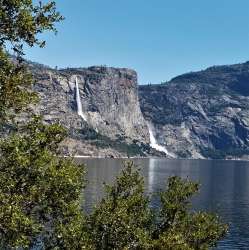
x,y
191,115
113,124
200,111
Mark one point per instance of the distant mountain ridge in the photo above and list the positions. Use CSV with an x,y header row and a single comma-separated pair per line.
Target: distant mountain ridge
x,y
191,115
201,110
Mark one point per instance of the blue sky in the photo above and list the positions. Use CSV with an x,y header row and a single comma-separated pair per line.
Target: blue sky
x,y
159,39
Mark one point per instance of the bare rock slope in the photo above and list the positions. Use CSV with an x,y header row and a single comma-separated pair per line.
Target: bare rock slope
x,y
202,110
110,104
190,115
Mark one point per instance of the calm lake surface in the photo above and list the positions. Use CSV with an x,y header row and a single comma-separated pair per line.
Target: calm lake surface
x,y
223,182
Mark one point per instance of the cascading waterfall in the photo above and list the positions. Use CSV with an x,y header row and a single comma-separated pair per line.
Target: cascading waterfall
x,y
153,144
79,104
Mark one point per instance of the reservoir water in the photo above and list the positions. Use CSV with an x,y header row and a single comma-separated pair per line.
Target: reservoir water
x,y
224,183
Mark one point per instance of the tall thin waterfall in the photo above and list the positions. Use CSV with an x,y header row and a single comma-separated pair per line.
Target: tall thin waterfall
x,y
153,144
79,104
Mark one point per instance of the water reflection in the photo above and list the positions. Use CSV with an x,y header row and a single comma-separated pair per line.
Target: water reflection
x,y
223,182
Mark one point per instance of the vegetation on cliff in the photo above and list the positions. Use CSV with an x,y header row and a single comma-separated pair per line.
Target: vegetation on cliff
x,y
135,148
159,104
236,153
197,110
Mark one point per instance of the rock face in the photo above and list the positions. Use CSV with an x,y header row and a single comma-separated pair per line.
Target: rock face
x,y
109,99
198,110
191,113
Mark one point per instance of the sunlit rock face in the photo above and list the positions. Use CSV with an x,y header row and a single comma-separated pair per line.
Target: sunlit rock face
x,y
198,110
109,98
193,111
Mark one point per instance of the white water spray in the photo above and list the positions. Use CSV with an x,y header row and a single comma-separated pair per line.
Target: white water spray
x,y
153,144
79,104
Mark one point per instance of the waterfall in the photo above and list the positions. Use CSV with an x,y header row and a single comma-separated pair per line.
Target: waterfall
x,y
79,104
153,144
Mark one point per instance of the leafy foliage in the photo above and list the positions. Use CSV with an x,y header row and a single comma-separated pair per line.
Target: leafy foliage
x,y
125,220
224,153
21,21
119,144
184,154
121,218
15,83
39,191
180,228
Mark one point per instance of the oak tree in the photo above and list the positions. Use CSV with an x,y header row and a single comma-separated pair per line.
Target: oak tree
x,y
40,190
125,220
